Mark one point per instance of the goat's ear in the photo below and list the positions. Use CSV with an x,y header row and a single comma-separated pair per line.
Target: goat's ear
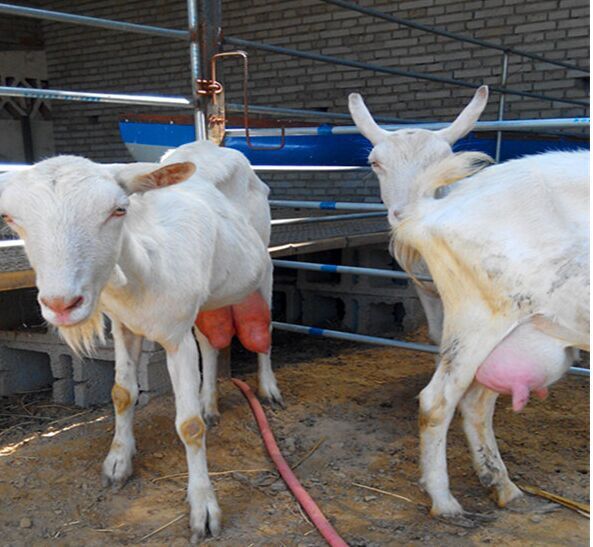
x,y
144,177
363,119
465,122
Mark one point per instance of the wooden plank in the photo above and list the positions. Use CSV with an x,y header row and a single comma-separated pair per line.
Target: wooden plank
x,y
306,247
11,281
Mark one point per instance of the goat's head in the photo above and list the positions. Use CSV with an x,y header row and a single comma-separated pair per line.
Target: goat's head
x,y
71,214
398,157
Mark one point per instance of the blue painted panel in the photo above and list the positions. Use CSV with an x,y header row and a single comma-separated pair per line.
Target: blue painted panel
x,y
330,150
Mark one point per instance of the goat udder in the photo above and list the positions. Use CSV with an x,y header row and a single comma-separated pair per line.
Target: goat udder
x,y
252,321
217,326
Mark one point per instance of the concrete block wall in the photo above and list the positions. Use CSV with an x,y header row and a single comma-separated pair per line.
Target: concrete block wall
x,y
30,360
82,58
366,305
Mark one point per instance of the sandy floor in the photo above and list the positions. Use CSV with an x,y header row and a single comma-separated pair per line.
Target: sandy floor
x,y
358,402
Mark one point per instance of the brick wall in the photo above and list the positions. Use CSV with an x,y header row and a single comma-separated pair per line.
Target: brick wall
x,y
82,58
20,33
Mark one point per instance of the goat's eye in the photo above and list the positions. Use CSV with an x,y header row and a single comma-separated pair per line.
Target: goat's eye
x,y
375,165
119,212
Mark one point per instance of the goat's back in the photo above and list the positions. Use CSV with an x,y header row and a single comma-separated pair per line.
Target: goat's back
x,y
230,171
516,234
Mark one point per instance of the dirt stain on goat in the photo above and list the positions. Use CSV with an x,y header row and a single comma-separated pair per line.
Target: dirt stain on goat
x,y
192,431
121,398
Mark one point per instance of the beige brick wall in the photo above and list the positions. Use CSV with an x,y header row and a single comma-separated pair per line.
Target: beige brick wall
x,y
81,58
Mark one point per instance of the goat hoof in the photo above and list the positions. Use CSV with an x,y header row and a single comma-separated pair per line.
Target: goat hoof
x,y
274,403
117,469
205,519
211,420
530,504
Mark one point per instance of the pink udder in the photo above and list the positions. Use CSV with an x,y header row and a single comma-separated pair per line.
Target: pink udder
x,y
510,372
250,320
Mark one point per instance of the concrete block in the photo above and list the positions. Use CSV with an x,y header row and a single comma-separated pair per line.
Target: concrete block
x,y
23,371
29,360
98,380
152,372
63,391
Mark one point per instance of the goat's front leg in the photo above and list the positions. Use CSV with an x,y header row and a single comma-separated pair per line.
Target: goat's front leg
x,y
183,365
438,401
117,467
477,408
209,393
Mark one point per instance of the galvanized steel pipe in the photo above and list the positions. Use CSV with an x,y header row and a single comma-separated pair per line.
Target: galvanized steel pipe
x,y
352,270
389,70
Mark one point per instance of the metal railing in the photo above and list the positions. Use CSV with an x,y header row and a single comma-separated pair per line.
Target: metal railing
x,y
191,37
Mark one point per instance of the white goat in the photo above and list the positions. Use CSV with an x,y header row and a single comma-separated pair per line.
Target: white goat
x,y
508,251
397,159
101,243
232,174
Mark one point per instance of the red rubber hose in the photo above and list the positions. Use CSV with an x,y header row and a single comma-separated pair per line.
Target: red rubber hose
x,y
306,501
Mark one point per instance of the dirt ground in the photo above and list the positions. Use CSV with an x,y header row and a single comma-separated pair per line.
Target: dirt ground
x,y
359,402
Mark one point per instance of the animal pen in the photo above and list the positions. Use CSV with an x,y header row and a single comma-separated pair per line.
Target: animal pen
x,y
302,148
206,41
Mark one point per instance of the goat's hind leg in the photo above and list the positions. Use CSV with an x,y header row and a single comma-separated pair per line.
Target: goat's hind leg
x,y
477,408
209,393
268,387
183,365
117,466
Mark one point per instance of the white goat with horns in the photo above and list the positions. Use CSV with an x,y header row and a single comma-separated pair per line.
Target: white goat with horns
x,y
508,250
397,159
111,239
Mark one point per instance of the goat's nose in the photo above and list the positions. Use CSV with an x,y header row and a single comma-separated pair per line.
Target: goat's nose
x,y
61,305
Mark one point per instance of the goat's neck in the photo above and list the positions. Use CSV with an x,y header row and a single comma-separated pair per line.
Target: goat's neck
x,y
133,264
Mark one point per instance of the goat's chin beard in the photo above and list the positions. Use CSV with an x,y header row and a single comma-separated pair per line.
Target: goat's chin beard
x,y
82,337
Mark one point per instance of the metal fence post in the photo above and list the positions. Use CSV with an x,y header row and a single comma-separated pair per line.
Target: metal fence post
x,y
503,83
204,20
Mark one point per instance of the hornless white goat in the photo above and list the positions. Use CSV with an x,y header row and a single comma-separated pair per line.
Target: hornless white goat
x,y
508,250
232,174
397,159
108,239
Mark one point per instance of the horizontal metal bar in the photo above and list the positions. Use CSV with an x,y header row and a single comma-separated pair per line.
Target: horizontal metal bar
x,y
326,333
113,98
488,126
257,168
353,270
306,168
327,205
303,113
453,36
97,22
329,218
390,70
182,102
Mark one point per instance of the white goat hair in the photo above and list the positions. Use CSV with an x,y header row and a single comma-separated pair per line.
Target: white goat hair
x,y
101,242
495,243
397,158
508,249
232,174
